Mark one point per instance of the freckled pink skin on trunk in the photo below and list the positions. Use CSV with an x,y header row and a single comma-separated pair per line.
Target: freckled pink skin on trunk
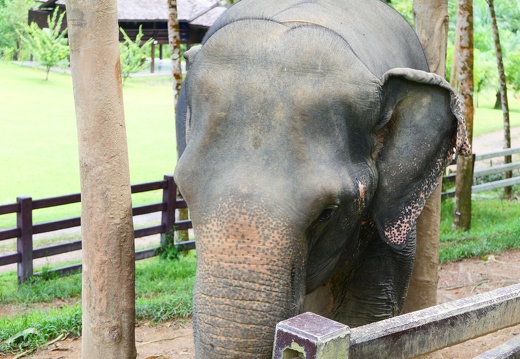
x,y
249,277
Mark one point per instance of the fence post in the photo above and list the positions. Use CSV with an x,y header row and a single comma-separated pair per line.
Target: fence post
x,y
168,215
311,336
24,242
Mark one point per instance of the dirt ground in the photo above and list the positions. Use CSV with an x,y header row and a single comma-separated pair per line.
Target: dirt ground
x,y
456,280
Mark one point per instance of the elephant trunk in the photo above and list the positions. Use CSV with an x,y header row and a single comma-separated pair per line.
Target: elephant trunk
x,y
250,276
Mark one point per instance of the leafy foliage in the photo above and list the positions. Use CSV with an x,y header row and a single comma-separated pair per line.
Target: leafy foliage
x,y
485,70
404,8
48,45
13,19
168,250
132,54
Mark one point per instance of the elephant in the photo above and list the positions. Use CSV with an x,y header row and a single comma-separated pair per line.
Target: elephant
x,y
312,134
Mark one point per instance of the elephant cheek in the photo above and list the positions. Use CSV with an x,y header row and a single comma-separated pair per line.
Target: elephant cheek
x,y
250,276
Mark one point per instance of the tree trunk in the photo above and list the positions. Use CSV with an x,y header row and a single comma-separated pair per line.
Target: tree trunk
x,y
464,180
503,93
454,75
431,25
175,55
174,39
108,296
498,101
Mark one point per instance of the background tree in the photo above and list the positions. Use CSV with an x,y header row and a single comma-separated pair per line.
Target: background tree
x,y
431,25
464,180
512,66
13,20
48,45
485,71
503,93
133,54
175,55
108,290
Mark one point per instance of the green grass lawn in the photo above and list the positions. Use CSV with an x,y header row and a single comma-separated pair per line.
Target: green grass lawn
x,y
488,119
495,227
38,149
163,291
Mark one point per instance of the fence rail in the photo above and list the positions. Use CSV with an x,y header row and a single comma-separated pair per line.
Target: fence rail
x,y
488,171
26,229
405,336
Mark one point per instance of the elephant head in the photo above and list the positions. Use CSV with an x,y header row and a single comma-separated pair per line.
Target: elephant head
x,y
302,165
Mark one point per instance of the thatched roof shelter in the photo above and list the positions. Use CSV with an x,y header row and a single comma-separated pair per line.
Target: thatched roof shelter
x,y
195,17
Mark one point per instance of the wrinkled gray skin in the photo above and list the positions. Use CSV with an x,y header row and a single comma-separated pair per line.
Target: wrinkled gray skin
x,y
314,135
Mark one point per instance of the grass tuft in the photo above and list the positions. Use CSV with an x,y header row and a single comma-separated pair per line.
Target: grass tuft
x,y
36,328
495,227
163,292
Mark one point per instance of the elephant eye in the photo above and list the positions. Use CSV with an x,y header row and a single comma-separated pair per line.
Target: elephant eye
x,y
325,215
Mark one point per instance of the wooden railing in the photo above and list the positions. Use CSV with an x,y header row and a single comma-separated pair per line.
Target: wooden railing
x,y
25,228
406,336
489,171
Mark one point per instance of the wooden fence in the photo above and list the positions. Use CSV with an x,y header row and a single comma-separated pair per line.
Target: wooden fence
x,y
25,228
488,186
406,336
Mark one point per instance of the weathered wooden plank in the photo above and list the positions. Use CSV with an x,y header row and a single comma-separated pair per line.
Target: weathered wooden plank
x,y
448,194
149,208
494,185
412,334
9,233
181,204
6,259
68,270
186,246
508,350
504,152
150,186
495,169
9,208
56,249
56,201
434,328
487,186
183,225
152,252
148,231
146,253
56,225
449,178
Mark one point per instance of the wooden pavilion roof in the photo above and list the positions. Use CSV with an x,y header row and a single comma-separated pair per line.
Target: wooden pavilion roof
x,y
195,17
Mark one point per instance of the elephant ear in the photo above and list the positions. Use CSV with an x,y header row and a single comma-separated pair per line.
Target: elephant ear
x,y
182,125
421,130
190,54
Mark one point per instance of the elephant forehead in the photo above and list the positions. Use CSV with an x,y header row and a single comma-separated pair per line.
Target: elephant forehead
x,y
266,50
270,76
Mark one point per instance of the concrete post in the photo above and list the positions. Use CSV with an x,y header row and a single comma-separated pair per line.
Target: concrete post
x,y
311,336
